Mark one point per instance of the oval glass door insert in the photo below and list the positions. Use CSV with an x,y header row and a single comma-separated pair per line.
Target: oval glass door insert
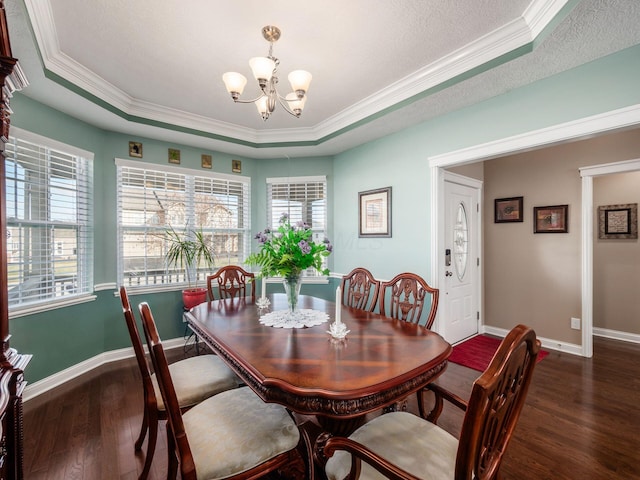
x,y
461,242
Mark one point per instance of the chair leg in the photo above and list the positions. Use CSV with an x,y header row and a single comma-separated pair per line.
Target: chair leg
x,y
172,465
151,446
143,429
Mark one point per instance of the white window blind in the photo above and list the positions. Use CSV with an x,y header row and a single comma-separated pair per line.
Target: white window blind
x,y
153,198
303,199
49,220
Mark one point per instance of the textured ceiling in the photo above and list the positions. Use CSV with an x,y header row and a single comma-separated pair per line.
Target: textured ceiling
x,y
154,68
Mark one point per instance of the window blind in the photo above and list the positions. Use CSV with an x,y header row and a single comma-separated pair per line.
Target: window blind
x,y
303,199
49,212
153,198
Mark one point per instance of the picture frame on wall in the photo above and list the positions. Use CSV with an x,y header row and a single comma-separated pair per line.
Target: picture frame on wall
x,y
174,156
508,210
551,219
236,166
207,161
135,149
618,221
374,213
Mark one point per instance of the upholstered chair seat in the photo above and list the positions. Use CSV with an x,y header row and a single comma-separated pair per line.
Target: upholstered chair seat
x,y
196,379
431,453
236,431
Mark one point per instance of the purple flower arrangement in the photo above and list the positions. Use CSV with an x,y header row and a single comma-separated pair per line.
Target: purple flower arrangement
x,y
289,250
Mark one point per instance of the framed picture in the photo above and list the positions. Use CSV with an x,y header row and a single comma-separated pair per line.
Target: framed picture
x,y
375,213
618,221
207,161
174,156
507,210
554,219
236,166
135,149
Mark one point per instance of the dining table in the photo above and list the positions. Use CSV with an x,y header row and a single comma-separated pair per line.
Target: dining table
x,y
381,360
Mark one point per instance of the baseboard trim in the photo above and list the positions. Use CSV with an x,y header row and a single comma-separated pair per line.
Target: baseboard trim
x,y
547,343
617,335
34,390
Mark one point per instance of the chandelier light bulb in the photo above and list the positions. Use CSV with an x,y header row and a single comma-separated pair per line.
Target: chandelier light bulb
x,y
300,80
262,104
296,104
235,83
262,68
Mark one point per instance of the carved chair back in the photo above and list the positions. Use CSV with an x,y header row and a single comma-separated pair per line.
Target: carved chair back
x,y
407,293
494,407
232,281
360,289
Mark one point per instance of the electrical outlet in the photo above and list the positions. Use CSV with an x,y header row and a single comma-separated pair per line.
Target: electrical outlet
x,y
575,323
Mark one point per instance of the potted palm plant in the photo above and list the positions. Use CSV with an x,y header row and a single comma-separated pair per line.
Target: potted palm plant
x,y
189,250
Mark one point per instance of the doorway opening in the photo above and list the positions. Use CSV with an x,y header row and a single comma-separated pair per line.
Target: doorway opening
x,y
571,131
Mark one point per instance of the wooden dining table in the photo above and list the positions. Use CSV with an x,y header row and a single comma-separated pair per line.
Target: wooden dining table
x,y
381,361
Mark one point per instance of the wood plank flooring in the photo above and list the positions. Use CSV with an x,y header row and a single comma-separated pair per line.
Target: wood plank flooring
x,y
581,421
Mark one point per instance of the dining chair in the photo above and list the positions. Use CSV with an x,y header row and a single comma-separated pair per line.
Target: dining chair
x,y
232,435
360,289
401,445
407,293
197,378
232,281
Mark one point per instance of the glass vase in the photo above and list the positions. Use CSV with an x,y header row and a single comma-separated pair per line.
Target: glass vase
x,y
292,291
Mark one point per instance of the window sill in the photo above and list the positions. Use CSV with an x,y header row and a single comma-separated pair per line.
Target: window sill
x,y
50,305
146,289
312,280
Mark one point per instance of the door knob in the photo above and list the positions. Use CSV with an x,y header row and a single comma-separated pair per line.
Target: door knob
x,y
448,274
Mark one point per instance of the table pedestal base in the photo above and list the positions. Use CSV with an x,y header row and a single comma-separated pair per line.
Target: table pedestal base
x,y
333,427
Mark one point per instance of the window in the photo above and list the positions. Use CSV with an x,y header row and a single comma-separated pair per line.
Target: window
x,y
152,198
303,199
49,220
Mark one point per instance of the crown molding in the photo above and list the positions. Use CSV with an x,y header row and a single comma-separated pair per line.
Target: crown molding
x,y
605,122
501,45
540,13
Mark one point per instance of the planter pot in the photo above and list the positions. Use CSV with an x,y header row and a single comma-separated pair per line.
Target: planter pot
x,y
193,296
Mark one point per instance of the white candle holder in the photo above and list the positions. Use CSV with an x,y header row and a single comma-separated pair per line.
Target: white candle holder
x,y
338,330
263,302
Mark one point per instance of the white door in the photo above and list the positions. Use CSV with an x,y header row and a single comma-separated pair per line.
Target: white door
x,y
460,260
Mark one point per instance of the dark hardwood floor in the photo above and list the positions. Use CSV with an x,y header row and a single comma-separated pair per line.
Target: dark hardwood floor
x,y
581,421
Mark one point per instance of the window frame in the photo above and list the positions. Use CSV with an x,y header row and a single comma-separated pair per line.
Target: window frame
x,y
190,176
84,251
315,276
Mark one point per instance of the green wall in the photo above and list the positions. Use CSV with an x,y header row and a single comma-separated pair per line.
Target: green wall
x,y
64,337
401,160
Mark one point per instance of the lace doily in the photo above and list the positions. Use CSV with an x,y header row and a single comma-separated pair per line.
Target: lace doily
x,y
301,318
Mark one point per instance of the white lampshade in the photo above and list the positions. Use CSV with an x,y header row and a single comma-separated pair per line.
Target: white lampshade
x,y
262,68
295,104
235,82
300,80
262,104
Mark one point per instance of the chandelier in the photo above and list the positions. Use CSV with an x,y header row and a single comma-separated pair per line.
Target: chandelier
x,y
265,71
